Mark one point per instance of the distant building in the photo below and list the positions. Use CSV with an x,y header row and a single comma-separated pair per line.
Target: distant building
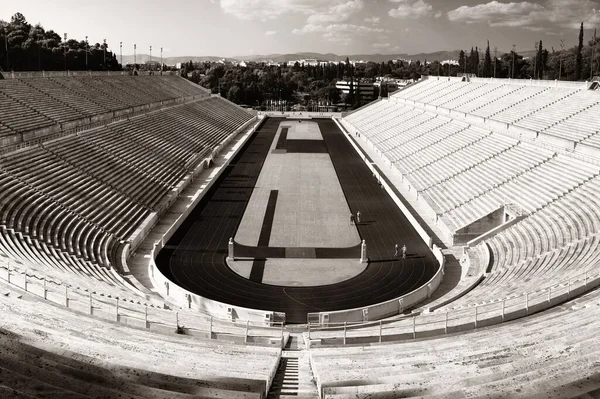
x,y
365,89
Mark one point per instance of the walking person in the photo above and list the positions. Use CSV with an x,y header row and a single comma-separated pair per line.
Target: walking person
x,y
358,217
396,251
351,218
404,252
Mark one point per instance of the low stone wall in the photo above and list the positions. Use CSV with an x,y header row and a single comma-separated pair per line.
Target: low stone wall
x,y
384,309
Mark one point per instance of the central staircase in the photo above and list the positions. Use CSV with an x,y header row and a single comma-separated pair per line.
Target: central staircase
x,y
294,378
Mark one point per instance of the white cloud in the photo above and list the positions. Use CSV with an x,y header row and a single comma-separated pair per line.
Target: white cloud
x,y
386,47
334,22
267,9
270,33
373,20
336,13
339,33
408,9
529,15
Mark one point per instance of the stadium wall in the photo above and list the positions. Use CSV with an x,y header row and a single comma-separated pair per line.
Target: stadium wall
x,y
385,309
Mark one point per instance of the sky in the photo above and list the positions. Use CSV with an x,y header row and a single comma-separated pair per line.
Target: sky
x,y
230,28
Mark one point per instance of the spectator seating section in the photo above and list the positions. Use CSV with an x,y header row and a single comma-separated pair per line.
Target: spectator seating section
x,y
539,357
80,356
36,103
78,198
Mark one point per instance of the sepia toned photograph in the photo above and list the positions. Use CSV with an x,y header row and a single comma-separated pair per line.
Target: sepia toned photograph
x,y
300,199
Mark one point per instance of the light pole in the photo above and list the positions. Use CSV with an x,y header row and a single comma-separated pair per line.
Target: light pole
x,y
121,53
161,61
150,58
86,52
134,56
562,46
104,56
513,61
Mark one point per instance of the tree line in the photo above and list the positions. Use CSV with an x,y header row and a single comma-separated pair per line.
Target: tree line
x,y
26,47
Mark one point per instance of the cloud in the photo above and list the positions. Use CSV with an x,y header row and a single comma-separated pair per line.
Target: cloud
x,y
336,13
385,47
334,22
529,15
270,32
372,20
267,9
407,9
339,33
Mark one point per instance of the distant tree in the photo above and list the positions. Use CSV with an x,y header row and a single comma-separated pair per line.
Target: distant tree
x,y
487,63
578,55
462,61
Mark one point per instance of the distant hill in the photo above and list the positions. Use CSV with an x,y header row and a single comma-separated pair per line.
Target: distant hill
x,y
435,56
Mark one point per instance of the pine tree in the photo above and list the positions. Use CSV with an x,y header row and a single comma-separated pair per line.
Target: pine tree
x,y
579,58
540,61
462,61
487,63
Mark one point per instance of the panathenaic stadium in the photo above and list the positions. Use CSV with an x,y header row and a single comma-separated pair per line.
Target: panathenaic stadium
x,y
158,241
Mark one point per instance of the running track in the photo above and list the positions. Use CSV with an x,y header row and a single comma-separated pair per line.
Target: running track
x,y
194,258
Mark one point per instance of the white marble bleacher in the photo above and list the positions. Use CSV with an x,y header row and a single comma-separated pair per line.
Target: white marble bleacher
x,y
494,106
533,104
531,190
440,90
425,130
460,161
42,218
50,87
416,90
90,92
561,118
501,93
46,105
472,92
554,243
60,353
540,357
86,195
460,139
465,89
141,187
17,116
482,177
155,164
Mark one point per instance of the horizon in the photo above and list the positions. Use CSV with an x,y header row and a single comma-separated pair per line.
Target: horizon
x,y
244,28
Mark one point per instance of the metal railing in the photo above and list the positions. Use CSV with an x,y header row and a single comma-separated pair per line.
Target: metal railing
x,y
462,319
133,312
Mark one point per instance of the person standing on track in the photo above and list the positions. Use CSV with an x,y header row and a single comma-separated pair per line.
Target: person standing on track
x,y
351,218
396,251
403,251
358,217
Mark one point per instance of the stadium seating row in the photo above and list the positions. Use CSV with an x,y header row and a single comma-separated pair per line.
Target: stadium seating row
x,y
36,103
534,358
